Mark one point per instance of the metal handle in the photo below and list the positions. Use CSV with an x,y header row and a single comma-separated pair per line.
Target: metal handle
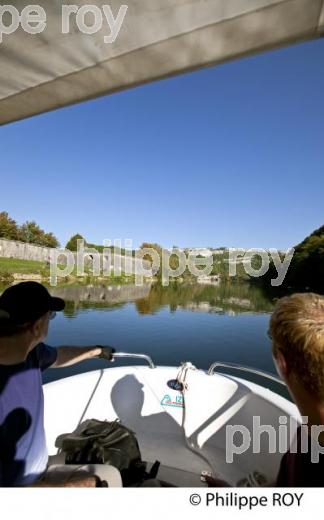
x,y
135,356
236,366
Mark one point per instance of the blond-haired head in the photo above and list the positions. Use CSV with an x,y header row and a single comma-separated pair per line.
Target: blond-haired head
x,y
297,331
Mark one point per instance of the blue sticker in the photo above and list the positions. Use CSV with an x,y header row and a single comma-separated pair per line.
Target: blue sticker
x,y
176,401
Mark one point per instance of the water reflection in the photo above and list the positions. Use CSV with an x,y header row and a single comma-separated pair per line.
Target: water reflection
x,y
228,299
98,297
222,299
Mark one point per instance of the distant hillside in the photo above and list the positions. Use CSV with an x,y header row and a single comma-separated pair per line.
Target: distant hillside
x,y
306,269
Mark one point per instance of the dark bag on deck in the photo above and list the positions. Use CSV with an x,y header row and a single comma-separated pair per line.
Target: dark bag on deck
x,y
104,442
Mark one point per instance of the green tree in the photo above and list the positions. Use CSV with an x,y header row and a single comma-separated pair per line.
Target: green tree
x,y
173,260
31,233
72,243
50,240
307,265
149,245
8,227
306,269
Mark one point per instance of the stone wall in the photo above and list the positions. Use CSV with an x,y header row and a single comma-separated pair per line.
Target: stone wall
x,y
111,294
24,251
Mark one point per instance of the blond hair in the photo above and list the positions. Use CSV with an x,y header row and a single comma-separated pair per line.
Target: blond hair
x,y
297,330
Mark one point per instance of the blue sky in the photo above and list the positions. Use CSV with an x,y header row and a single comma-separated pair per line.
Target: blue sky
x,y
226,156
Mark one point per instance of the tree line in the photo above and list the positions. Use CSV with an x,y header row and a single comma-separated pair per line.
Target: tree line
x,y
29,232
306,270
72,245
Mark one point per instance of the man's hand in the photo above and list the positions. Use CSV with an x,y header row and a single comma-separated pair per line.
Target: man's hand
x,y
106,353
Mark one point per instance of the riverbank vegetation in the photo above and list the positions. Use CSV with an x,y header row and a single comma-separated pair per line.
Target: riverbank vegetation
x,y
12,269
306,270
72,245
29,232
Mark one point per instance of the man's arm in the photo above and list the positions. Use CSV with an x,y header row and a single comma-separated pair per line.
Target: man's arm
x,y
67,356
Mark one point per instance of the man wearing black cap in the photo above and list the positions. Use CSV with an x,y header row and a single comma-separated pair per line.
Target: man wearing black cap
x,y
25,312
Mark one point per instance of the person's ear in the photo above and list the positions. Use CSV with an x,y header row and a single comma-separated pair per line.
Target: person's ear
x,y
281,365
37,327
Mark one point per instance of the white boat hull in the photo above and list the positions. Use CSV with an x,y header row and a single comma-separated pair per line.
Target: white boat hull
x,y
186,437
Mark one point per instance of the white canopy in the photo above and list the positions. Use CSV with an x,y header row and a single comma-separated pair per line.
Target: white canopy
x,y
158,38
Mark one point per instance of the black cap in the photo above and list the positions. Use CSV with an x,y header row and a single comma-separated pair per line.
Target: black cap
x,y
26,302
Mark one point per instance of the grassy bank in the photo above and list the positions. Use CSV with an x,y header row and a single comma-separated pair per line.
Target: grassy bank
x,y
12,269
13,265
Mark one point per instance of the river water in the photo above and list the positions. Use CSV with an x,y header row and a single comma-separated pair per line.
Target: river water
x,y
197,323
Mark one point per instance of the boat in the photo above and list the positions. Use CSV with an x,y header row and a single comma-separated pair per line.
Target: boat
x,y
180,416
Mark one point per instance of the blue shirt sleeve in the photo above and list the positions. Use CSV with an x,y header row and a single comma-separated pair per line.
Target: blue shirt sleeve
x,y
46,355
